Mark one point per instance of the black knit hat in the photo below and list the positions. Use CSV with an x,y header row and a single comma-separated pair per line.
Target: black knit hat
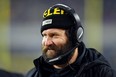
x,y
57,17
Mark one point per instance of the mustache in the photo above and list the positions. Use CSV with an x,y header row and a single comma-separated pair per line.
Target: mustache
x,y
45,48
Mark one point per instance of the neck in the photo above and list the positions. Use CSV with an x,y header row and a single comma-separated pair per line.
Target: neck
x,y
72,60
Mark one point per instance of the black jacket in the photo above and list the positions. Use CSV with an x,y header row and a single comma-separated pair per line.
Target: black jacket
x,y
90,63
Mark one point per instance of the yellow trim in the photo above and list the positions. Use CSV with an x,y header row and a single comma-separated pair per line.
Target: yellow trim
x,y
55,11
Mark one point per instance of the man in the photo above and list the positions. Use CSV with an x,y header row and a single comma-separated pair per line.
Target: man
x,y
64,53
4,73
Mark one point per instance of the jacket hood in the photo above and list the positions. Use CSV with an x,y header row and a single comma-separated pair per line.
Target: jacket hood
x,y
95,58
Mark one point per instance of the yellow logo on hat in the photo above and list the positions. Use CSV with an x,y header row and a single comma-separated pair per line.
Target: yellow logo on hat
x,y
55,11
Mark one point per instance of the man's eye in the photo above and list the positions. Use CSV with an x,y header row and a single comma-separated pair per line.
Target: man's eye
x,y
55,35
43,35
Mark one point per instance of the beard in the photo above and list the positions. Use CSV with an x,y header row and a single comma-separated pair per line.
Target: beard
x,y
53,51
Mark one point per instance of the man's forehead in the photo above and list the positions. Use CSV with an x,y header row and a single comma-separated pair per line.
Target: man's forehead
x,y
52,30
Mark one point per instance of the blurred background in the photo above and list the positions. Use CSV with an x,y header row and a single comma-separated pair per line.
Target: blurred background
x,y
20,21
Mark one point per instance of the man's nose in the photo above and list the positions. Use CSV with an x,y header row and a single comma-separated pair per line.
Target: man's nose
x,y
48,41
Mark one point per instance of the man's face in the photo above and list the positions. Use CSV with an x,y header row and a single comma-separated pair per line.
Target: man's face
x,y
54,43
